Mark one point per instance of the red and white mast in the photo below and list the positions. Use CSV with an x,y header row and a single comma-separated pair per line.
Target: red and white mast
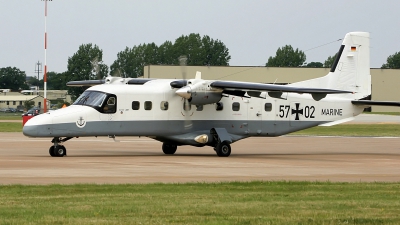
x,y
45,57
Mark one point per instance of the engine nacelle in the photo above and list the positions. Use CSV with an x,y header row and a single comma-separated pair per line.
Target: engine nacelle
x,y
205,97
199,92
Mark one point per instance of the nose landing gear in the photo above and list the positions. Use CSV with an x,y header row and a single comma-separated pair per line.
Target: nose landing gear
x,y
58,150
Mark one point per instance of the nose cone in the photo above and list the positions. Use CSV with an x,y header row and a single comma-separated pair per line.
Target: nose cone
x,y
185,92
37,126
30,131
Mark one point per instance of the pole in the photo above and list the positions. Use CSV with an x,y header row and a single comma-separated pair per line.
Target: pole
x,y
45,57
38,69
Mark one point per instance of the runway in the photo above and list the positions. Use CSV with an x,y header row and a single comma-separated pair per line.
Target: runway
x,y
140,160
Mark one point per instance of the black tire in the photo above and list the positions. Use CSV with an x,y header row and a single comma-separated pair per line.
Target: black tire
x,y
169,149
60,151
51,151
223,149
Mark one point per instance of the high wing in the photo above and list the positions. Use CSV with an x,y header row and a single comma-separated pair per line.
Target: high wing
x,y
89,83
86,83
255,89
246,86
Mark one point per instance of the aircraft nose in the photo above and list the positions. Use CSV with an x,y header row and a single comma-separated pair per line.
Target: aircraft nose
x,y
37,126
30,130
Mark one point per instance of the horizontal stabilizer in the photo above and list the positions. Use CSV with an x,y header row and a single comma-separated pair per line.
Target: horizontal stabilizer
x,y
371,103
231,85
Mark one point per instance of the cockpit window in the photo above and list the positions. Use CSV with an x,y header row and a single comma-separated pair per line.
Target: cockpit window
x,y
102,102
91,98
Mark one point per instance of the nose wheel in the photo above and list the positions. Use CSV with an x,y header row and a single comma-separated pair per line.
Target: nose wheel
x,y
58,150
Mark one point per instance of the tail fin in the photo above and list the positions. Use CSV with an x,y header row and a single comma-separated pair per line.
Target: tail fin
x,y
350,70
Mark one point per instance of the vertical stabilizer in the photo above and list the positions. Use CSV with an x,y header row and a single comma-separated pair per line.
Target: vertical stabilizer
x,y
350,70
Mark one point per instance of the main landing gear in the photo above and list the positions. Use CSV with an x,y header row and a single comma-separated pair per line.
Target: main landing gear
x,y
169,149
58,150
223,149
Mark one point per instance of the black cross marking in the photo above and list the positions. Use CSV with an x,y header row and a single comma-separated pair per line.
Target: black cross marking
x,y
297,111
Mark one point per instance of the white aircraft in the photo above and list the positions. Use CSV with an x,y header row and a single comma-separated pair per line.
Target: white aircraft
x,y
212,113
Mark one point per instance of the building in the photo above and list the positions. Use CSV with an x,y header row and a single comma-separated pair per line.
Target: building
x,y
385,82
17,101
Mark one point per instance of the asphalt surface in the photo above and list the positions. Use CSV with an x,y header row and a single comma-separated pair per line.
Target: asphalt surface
x,y
26,160
100,160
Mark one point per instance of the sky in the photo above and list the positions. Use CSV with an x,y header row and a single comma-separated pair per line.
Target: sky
x,y
252,30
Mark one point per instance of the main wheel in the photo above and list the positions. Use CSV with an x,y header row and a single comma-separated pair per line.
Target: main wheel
x,y
169,149
60,151
51,151
223,149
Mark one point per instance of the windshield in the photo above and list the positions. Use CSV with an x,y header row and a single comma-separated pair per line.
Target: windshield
x,y
91,98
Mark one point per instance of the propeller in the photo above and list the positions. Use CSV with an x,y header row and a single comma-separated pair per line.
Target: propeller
x,y
96,67
186,104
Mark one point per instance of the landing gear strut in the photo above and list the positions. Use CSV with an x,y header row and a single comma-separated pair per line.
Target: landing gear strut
x,y
169,149
58,150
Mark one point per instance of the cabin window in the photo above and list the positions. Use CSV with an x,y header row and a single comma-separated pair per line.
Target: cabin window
x,y
109,107
164,105
219,106
236,106
135,105
268,107
148,105
199,107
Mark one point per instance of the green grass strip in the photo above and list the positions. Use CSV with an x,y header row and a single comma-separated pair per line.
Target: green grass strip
x,y
11,127
383,130
5,116
203,203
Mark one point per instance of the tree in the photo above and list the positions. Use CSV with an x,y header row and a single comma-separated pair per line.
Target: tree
x,y
33,81
12,78
28,104
315,65
56,81
392,62
85,64
329,61
131,61
287,57
200,51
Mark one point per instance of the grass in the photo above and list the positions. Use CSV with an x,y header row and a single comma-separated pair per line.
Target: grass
x,y
10,116
203,203
10,127
384,130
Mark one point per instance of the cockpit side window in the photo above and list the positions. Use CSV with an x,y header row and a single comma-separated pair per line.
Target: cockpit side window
x,y
110,105
102,102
